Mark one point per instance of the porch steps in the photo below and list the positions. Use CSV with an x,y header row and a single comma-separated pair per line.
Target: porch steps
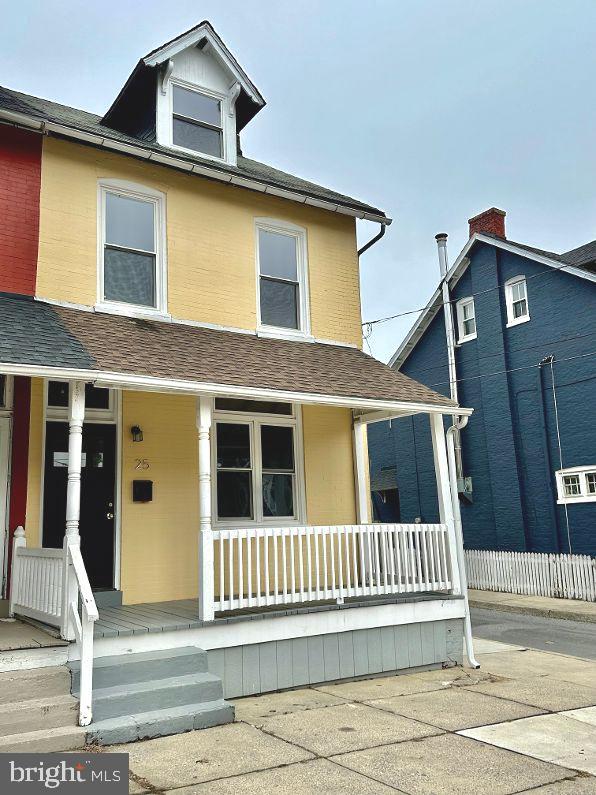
x,y
151,694
38,712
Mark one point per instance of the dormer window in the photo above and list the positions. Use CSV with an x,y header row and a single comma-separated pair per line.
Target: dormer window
x,y
197,121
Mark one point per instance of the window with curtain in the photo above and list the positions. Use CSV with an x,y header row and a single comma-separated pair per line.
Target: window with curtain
x,y
130,250
516,297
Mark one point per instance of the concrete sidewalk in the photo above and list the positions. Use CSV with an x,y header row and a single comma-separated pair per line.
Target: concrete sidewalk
x,y
571,609
526,722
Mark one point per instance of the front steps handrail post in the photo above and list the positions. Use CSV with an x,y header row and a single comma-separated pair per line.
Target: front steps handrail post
x,y
83,629
18,542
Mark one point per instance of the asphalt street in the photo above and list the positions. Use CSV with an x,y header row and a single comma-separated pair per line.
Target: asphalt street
x,y
575,638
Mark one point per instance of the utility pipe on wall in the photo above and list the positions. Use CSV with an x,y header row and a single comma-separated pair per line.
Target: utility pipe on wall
x,y
452,432
441,239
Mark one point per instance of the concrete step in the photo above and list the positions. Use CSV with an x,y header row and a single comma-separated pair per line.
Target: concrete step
x,y
142,667
160,722
38,713
44,741
132,698
21,685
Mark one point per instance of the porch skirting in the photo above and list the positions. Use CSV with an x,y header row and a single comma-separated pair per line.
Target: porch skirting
x,y
298,662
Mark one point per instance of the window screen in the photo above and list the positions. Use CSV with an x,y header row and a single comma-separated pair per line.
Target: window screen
x,y
129,250
279,283
197,122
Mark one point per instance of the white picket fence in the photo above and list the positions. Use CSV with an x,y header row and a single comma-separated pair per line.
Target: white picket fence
x,y
532,573
258,567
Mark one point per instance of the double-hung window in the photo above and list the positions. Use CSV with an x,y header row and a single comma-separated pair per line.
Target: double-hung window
x,y
257,463
577,484
516,299
197,121
131,259
466,320
282,282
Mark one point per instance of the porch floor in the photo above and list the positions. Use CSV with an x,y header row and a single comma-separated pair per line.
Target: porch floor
x,y
183,614
15,634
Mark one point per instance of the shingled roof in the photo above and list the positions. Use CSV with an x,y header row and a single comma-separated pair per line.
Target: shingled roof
x,y
91,124
42,335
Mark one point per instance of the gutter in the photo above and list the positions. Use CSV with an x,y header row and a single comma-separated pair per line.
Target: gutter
x,y
52,128
458,424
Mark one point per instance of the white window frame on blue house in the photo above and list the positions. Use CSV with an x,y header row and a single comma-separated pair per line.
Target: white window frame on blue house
x,y
460,310
511,299
576,484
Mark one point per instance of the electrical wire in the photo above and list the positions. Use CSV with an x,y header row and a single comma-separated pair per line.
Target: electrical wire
x,y
550,272
513,369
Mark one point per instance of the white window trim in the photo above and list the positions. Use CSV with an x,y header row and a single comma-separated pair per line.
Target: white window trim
x,y
134,191
109,415
299,233
459,311
254,421
228,140
584,495
511,320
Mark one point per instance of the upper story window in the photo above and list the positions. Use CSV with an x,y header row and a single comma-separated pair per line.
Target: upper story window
x,y
577,484
282,283
197,121
132,262
516,298
466,320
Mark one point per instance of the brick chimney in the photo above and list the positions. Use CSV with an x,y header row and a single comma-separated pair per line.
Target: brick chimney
x,y
491,222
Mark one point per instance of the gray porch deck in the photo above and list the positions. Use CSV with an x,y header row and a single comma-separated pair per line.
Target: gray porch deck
x,y
183,614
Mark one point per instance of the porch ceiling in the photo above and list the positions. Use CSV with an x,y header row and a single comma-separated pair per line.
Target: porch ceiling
x,y
39,338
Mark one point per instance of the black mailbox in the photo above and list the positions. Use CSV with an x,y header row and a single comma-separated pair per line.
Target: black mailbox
x,y
142,490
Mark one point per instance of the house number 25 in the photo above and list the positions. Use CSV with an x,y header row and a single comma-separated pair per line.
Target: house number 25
x,y
142,463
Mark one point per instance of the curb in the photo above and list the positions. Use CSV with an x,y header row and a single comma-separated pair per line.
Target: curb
x,y
544,612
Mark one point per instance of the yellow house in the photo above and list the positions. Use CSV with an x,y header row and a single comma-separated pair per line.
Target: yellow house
x,y
197,404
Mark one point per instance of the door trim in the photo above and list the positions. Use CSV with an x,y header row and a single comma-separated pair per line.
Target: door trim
x,y
116,420
5,448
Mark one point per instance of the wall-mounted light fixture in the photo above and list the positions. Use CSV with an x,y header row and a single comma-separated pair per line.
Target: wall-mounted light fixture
x,y
137,433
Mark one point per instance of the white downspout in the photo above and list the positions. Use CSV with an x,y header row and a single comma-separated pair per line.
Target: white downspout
x,y
452,433
441,239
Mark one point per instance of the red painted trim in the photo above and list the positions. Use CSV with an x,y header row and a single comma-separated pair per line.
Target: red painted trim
x,y
19,459
20,184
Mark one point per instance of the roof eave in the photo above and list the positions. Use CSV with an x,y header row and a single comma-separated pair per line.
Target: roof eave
x,y
146,153
116,380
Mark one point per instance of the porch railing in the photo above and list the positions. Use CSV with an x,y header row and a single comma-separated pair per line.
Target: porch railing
x,y
51,586
259,567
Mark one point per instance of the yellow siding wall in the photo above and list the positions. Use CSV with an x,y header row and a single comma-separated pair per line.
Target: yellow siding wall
x,y
329,465
159,538
210,242
35,466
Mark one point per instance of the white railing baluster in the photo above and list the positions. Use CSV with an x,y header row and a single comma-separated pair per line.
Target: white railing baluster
x,y
301,563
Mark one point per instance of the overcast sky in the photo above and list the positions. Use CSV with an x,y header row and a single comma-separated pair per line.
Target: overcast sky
x,y
432,110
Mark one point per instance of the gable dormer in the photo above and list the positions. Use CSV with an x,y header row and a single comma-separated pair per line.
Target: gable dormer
x,y
190,95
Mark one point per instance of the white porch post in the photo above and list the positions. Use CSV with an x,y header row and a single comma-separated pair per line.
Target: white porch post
x,y
360,467
444,495
206,579
76,417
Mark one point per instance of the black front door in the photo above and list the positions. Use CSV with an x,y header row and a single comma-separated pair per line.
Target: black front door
x,y
98,477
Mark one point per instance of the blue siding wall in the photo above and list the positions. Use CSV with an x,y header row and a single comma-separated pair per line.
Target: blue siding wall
x,y
510,446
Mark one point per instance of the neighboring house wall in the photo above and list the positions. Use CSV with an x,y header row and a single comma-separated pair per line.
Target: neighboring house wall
x,y
210,242
20,175
510,446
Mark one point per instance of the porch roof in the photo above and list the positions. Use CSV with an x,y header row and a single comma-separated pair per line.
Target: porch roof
x,y
43,339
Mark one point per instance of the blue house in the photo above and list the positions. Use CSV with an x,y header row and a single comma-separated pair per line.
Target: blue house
x,y
524,333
